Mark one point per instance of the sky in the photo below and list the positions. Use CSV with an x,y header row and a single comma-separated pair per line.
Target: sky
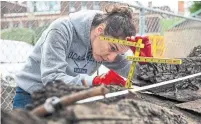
x,y
173,4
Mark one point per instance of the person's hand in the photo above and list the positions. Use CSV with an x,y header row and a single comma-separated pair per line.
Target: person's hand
x,y
144,52
110,78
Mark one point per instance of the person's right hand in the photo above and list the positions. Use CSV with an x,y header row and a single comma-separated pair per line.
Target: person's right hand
x,y
110,78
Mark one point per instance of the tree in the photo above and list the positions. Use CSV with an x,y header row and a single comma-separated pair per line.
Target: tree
x,y
195,6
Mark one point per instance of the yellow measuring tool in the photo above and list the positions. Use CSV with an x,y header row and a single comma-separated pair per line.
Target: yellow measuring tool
x,y
136,57
122,42
154,60
132,67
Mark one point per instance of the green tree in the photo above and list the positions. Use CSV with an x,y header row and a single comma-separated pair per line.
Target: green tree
x,y
195,6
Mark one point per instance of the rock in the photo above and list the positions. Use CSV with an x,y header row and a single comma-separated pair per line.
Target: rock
x,y
192,106
182,95
195,52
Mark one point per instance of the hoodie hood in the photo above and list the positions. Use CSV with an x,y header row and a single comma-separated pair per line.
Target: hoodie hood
x,y
82,21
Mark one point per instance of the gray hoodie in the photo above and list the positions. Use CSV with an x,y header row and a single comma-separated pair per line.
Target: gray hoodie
x,y
64,52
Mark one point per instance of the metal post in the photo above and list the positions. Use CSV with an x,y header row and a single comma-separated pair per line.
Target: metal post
x,y
141,22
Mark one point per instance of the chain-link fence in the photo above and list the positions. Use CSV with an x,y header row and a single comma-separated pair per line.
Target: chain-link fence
x,y
171,35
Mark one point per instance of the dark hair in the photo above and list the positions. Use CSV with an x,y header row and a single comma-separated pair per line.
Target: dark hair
x,y
118,20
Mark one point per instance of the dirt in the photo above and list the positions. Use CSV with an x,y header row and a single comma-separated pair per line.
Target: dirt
x,y
194,106
196,52
154,73
124,109
59,89
189,116
133,108
20,117
182,95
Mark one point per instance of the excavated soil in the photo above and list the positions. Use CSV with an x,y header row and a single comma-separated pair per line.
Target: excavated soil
x,y
185,90
59,89
155,73
121,109
196,52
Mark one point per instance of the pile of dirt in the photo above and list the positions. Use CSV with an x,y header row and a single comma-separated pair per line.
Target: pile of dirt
x,y
20,117
154,73
108,111
183,91
196,52
127,111
57,89
60,89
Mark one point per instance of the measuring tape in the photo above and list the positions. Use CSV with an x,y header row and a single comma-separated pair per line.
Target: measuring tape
x,y
136,57
132,67
122,42
154,60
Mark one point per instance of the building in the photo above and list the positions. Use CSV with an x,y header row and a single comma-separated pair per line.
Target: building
x,y
12,7
39,13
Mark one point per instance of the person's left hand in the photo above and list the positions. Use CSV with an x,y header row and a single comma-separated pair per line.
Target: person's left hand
x,y
110,78
144,52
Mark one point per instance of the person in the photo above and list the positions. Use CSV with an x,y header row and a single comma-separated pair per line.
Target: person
x,y
71,50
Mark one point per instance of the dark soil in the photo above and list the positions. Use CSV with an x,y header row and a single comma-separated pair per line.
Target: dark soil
x,y
185,90
20,117
113,110
196,52
60,89
155,73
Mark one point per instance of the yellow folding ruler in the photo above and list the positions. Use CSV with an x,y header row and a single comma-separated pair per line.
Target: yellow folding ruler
x,y
136,57
122,42
154,60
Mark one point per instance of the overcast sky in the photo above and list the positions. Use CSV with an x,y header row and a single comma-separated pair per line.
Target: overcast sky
x,y
173,4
